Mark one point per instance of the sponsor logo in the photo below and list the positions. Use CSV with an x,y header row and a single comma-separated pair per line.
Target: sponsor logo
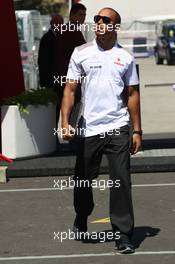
x,y
118,62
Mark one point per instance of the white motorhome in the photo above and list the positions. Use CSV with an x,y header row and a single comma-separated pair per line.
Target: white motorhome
x,y
130,10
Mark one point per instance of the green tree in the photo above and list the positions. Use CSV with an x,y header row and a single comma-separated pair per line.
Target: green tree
x,y
50,6
27,5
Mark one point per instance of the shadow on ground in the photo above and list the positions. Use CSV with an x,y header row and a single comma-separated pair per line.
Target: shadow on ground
x,y
140,234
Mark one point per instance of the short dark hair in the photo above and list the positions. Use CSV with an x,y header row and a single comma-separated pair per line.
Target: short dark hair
x,y
76,7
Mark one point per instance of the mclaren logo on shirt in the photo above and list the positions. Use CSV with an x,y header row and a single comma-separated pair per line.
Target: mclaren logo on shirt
x,y
118,62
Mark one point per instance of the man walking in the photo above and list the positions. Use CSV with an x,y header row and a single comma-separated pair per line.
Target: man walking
x,y
111,98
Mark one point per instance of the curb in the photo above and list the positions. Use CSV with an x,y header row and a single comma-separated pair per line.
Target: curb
x,y
64,166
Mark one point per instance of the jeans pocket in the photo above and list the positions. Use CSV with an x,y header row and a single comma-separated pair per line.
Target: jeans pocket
x,y
124,129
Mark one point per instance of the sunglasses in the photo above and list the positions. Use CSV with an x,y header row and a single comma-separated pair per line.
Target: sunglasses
x,y
106,20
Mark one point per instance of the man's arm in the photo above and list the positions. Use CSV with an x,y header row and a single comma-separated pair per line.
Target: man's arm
x,y
66,107
134,110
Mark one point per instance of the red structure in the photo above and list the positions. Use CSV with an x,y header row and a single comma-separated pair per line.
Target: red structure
x,y
4,158
11,74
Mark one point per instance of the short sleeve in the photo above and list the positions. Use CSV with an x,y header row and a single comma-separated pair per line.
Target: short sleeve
x,y
74,69
131,77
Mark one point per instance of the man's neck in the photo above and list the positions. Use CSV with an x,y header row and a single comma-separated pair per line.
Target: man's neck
x,y
106,43
53,31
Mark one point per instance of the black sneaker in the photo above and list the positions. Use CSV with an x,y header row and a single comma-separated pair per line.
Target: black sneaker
x,y
124,245
80,227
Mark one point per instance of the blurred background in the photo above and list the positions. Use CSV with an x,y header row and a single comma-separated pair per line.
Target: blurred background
x,y
147,31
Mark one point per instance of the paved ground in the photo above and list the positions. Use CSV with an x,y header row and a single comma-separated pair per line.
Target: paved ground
x,y
157,96
33,209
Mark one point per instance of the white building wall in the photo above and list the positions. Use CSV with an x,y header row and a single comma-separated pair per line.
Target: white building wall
x,y
130,10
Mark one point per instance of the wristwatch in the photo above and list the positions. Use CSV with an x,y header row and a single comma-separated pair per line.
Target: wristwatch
x,y
139,132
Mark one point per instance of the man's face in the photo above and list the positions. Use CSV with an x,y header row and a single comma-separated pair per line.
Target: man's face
x,y
105,22
79,17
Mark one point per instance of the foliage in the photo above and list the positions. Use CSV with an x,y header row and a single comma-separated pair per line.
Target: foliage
x,y
49,7
27,5
41,96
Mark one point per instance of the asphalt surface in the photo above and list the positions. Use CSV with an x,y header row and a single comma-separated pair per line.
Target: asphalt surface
x,y
157,96
32,210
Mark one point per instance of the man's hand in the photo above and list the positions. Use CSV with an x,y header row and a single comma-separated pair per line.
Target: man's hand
x,y
136,143
67,132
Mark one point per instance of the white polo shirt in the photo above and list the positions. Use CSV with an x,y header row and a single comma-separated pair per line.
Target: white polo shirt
x,y
106,72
